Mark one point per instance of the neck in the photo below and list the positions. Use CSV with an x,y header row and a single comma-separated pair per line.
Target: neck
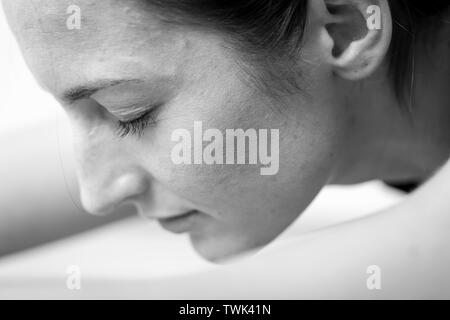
x,y
393,140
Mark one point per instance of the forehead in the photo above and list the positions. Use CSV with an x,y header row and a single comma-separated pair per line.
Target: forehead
x,y
116,36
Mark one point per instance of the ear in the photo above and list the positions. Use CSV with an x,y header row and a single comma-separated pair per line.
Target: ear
x,y
355,33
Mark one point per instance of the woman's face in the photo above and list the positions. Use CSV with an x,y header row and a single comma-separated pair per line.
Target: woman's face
x,y
123,61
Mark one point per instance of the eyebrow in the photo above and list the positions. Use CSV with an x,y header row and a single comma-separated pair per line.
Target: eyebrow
x,y
84,91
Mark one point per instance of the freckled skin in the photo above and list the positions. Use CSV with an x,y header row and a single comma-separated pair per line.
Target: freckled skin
x,y
242,209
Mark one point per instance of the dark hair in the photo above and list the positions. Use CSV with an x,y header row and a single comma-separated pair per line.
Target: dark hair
x,y
275,28
413,20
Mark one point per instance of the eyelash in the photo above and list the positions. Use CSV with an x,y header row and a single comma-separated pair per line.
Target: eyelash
x,y
136,126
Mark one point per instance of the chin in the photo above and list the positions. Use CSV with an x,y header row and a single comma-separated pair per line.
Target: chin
x,y
222,250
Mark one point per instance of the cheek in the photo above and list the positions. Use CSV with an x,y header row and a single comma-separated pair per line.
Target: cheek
x,y
307,147
252,209
224,109
308,143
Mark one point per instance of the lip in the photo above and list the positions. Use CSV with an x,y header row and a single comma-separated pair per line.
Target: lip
x,y
181,223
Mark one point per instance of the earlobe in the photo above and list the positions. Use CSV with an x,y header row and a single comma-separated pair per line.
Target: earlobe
x,y
361,33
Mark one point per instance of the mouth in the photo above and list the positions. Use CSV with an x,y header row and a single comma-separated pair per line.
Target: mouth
x,y
181,223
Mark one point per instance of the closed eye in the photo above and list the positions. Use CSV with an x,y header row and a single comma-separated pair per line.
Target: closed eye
x,y
136,126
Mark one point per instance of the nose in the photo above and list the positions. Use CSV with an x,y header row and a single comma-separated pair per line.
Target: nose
x,y
101,196
108,174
